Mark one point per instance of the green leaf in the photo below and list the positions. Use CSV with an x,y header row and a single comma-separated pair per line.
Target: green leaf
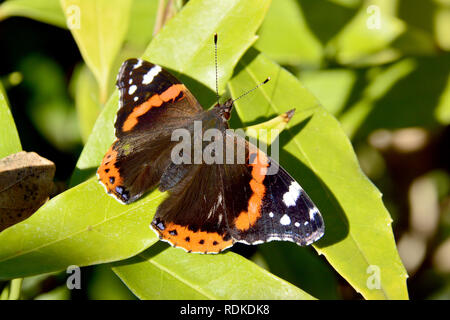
x,y
48,105
9,138
332,87
100,139
87,100
16,285
285,259
443,109
318,154
285,37
387,101
69,230
48,11
162,272
326,18
192,30
356,115
104,284
99,28
442,25
142,21
366,38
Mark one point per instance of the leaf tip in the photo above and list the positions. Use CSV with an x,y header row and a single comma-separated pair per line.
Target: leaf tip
x,y
288,115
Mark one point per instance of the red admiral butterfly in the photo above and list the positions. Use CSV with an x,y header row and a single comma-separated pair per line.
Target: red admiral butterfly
x,y
210,206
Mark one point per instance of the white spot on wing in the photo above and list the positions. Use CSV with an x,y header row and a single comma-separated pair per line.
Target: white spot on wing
x,y
132,89
297,224
312,213
271,214
137,65
148,77
285,220
291,196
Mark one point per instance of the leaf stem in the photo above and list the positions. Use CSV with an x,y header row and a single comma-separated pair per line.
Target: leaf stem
x,y
15,287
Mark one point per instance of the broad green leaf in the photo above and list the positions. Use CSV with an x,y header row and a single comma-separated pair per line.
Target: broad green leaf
x,y
86,99
99,28
140,33
285,37
48,105
198,19
332,87
387,101
142,22
14,291
9,138
162,272
186,45
441,26
370,32
11,291
326,18
318,154
100,139
48,11
355,116
301,267
415,41
69,231
104,284
81,226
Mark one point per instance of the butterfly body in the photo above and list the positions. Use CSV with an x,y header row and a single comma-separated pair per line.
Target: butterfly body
x,y
210,205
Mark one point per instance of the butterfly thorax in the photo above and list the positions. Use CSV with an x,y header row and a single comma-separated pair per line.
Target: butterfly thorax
x,y
223,111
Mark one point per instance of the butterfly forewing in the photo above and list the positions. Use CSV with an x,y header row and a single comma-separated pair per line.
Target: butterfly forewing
x,y
152,103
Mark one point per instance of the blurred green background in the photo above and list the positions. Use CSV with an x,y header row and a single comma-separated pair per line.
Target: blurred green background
x,y
382,68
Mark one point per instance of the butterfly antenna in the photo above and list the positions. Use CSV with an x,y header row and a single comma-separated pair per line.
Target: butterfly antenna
x,y
246,93
215,61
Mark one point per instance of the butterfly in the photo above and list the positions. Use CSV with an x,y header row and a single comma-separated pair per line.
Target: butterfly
x,y
210,206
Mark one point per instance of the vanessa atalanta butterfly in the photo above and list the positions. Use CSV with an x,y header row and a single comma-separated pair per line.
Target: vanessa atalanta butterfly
x,y
210,206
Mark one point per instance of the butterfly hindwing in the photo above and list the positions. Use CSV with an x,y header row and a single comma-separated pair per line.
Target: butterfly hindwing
x,y
193,217
268,204
197,208
132,166
227,203
286,213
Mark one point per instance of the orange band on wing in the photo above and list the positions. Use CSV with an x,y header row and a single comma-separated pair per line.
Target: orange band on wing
x,y
107,172
199,241
154,101
247,219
